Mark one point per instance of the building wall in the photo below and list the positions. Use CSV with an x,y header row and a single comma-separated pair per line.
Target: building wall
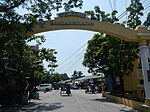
x,y
133,83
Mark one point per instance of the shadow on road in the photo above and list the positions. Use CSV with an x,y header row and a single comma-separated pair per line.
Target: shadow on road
x,y
34,107
105,101
43,107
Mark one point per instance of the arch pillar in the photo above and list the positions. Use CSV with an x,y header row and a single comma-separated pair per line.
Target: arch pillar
x,y
144,54
145,67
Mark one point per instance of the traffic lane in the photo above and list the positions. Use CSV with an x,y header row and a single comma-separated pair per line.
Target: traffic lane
x,y
47,102
96,103
78,102
82,102
51,102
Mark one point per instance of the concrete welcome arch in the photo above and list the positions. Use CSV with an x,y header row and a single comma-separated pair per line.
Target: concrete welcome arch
x,y
77,20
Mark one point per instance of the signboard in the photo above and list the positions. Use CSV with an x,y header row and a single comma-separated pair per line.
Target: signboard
x,y
71,23
71,13
64,22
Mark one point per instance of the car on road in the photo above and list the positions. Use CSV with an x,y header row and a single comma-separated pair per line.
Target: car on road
x,y
74,87
56,86
44,87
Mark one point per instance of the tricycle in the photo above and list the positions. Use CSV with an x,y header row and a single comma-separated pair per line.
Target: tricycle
x,y
65,89
90,89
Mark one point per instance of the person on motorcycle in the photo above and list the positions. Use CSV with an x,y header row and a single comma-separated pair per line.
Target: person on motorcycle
x,y
68,90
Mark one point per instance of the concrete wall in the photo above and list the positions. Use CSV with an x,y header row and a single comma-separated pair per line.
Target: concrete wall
x,y
130,103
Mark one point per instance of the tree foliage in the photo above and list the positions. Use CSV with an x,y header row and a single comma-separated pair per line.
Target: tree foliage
x,y
77,74
53,78
147,22
14,51
135,12
108,52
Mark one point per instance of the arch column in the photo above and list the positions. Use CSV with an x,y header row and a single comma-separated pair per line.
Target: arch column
x,y
143,34
145,68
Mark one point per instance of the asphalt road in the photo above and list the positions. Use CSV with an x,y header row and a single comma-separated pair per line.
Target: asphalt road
x,y
79,101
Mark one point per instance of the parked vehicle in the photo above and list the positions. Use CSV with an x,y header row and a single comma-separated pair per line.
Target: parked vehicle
x,y
44,87
74,87
56,86
90,89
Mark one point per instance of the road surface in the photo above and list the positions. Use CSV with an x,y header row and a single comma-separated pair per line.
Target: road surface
x,y
79,102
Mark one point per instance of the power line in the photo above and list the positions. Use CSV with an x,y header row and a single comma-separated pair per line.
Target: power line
x,y
71,60
114,2
79,59
144,1
76,56
72,54
76,64
146,9
110,5
147,4
125,12
122,14
73,64
123,18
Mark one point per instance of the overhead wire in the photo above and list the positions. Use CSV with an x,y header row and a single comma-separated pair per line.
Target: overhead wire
x,y
122,14
144,1
76,57
72,54
146,9
75,64
114,2
71,61
125,12
147,6
119,17
110,5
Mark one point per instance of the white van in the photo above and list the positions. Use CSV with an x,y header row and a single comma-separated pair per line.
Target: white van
x,y
44,87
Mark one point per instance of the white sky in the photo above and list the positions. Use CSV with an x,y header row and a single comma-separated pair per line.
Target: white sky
x,y
67,42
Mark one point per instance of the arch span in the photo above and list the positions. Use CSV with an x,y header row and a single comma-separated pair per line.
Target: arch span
x,y
76,20
73,22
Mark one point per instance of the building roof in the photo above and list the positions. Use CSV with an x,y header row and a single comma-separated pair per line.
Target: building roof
x,y
89,77
83,78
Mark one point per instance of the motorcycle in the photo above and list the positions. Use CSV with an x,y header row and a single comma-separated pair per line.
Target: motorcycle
x,y
68,92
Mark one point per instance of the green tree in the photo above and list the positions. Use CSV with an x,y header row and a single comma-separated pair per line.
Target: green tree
x,y
147,22
135,12
13,36
54,78
105,51
77,74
